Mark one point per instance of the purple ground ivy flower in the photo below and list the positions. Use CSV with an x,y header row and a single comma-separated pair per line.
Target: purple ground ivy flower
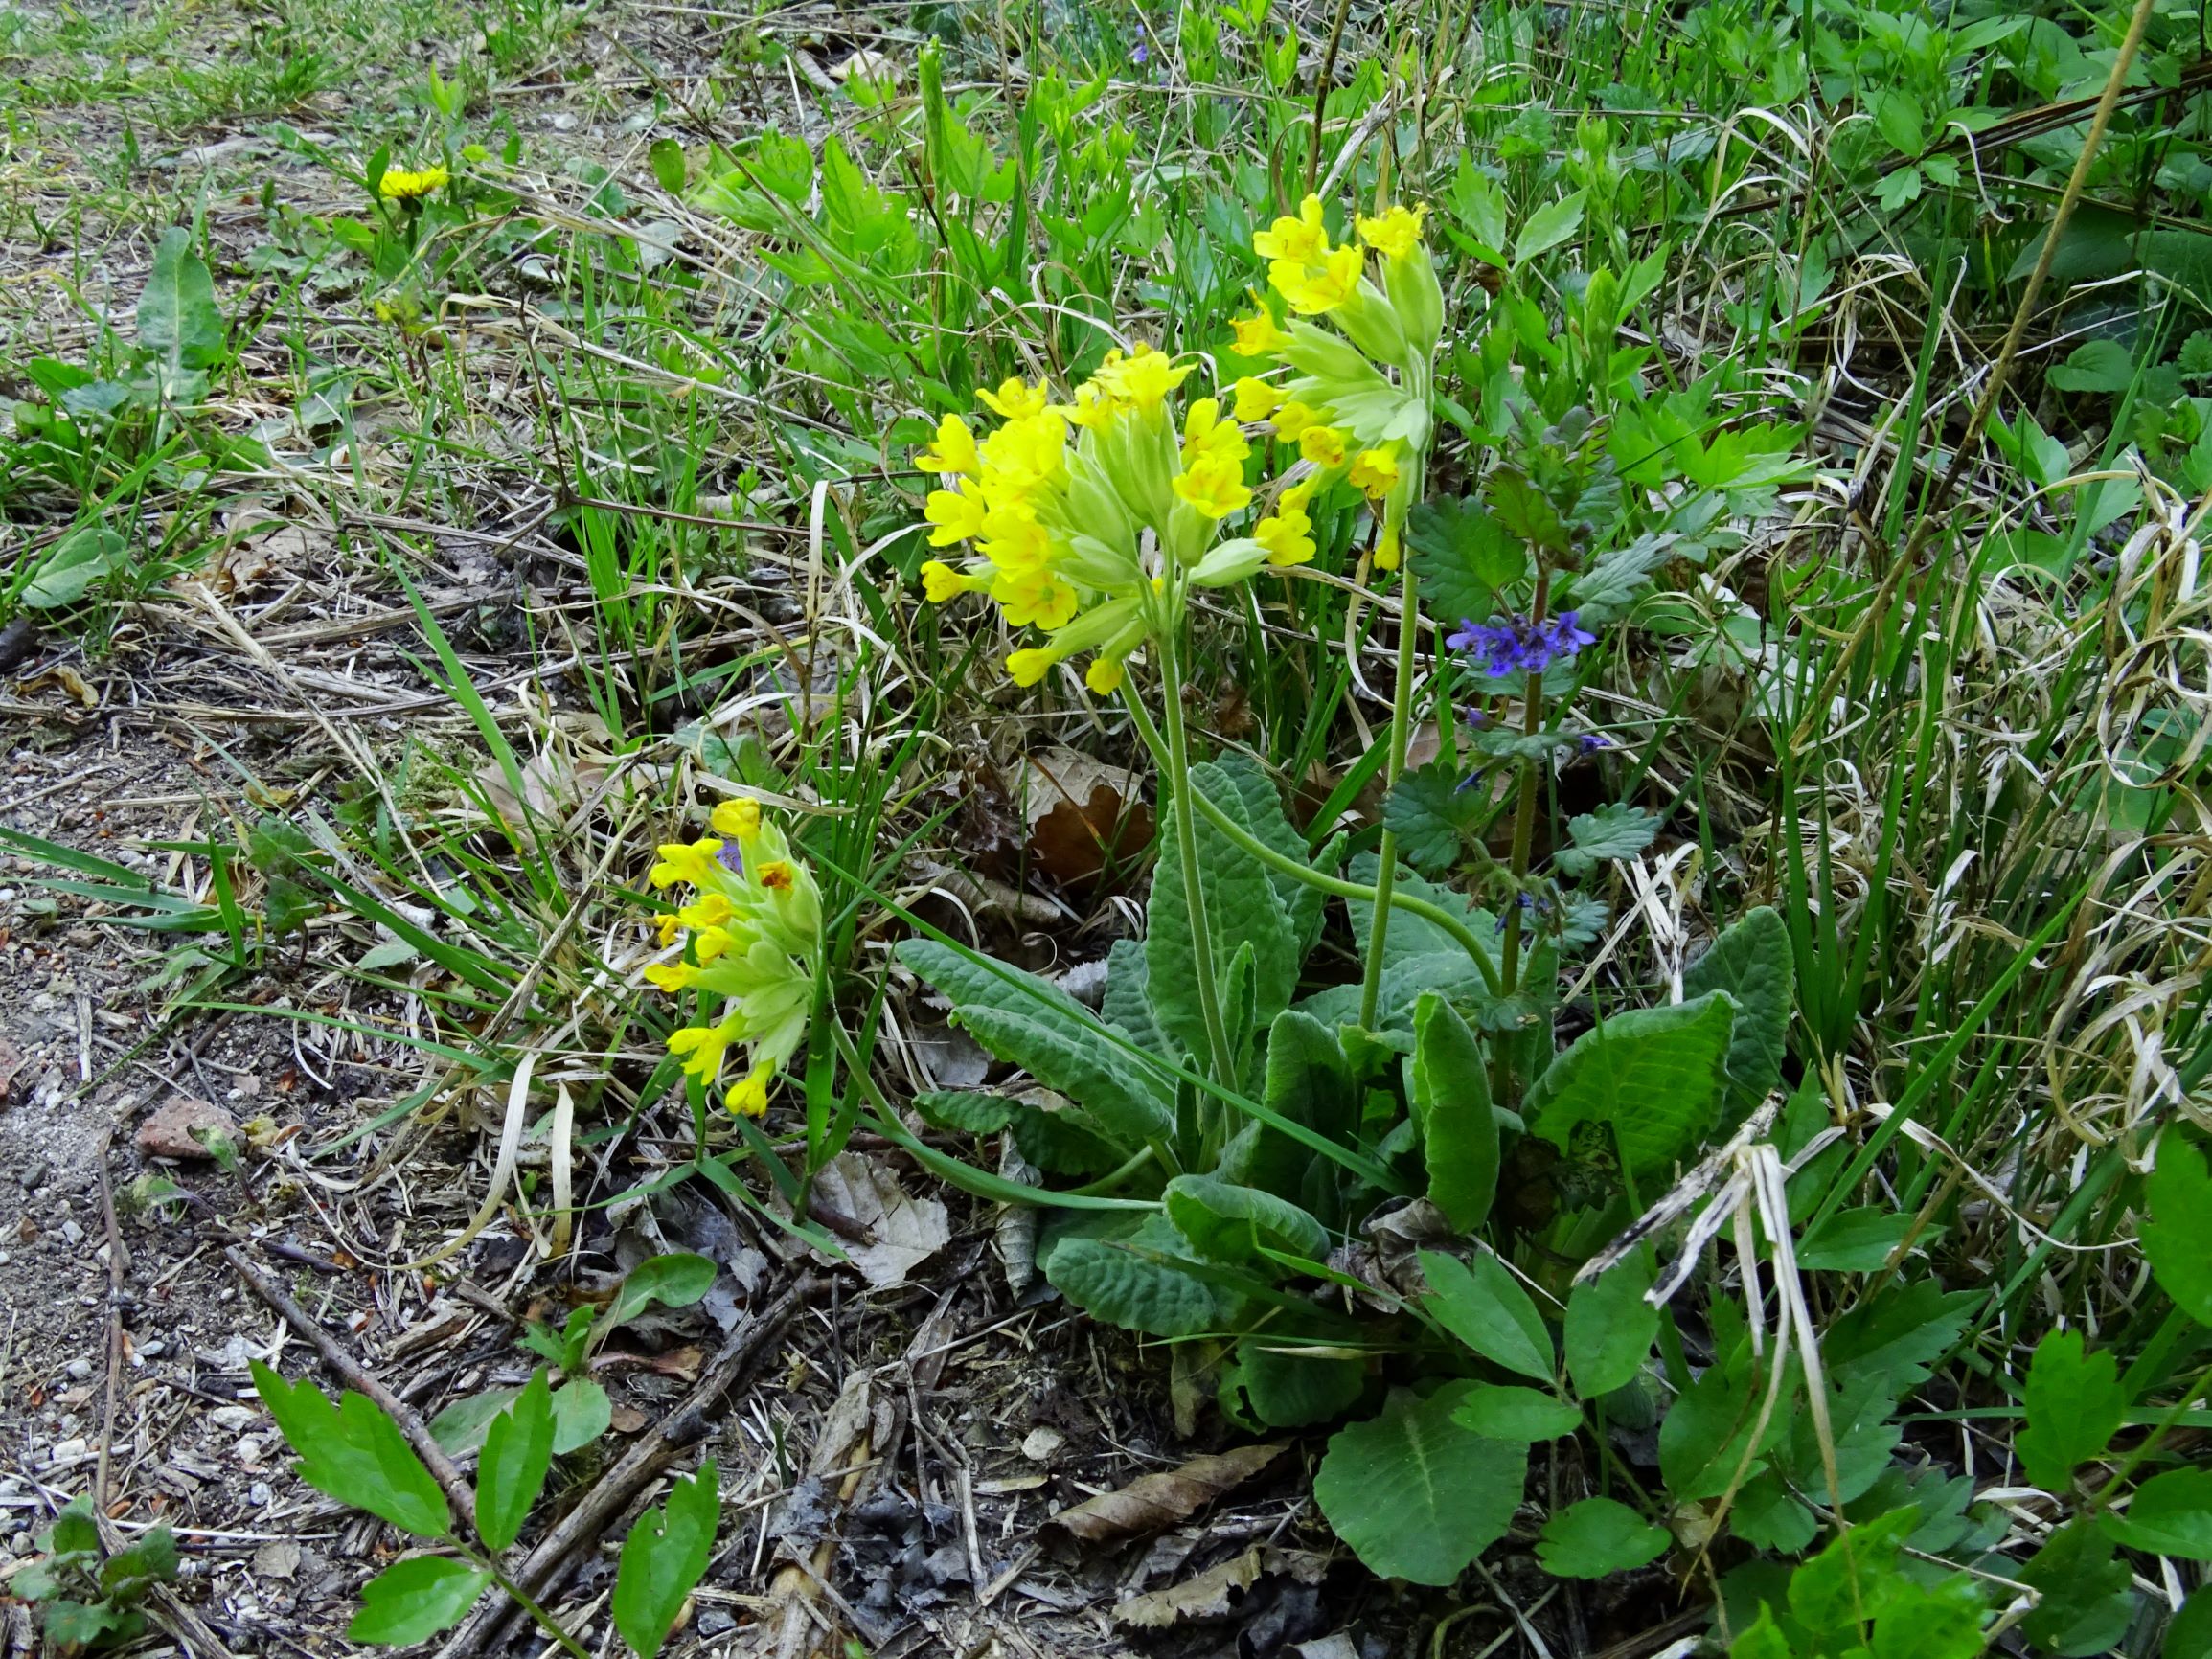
x,y
1517,645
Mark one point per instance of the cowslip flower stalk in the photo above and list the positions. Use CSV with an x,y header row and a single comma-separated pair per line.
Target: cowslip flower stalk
x,y
752,939
1360,400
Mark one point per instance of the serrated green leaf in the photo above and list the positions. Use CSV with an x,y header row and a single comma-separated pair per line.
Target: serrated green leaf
x,y
1415,1495
414,1599
2177,1236
1655,1075
663,1559
1431,816
1598,1536
1752,962
74,1533
2170,1514
2088,1601
68,1626
518,1453
1767,1517
1897,1334
1613,832
1617,578
1449,1090
1701,1439
127,1574
1462,555
1225,1222
1504,1411
353,1452
1485,1307
1609,1326
2074,1406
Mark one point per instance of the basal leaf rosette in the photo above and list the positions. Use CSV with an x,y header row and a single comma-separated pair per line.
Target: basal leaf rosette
x,y
1091,519
752,940
1356,402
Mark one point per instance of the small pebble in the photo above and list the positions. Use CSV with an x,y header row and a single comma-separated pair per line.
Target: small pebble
x,y
152,1348
249,1451
22,1543
35,1171
232,1417
78,1370
259,1494
72,1232
65,1451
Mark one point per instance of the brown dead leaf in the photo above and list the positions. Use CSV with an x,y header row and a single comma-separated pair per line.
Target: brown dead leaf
x,y
1083,814
886,1233
12,1062
1215,1593
1154,1501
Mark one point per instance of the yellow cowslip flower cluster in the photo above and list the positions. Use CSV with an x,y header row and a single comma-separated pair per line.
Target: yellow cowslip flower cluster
x,y
399,185
754,928
1090,518
1357,404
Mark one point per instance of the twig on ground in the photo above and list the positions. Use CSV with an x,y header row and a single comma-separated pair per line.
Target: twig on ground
x,y
118,1258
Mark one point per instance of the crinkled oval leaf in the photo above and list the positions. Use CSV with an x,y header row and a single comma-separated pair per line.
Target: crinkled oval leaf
x,y
1226,1222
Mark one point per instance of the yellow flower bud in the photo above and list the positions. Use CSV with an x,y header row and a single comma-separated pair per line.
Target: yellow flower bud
x,y
1028,667
1322,445
1257,399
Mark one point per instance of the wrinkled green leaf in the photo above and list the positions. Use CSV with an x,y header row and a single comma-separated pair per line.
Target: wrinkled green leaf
x,y
1613,832
1752,962
1225,1222
1653,1075
676,1279
1448,1085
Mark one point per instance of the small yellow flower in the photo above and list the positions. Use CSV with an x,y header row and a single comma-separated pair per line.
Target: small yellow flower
x,y
1105,675
669,927
1042,599
399,185
1395,233
1287,537
1143,378
955,451
957,515
692,863
1016,397
1214,484
1313,289
1387,549
1206,434
941,582
1028,667
1257,336
1257,399
708,910
740,819
1293,418
1373,473
750,1098
1300,240
1322,445
671,976
702,1045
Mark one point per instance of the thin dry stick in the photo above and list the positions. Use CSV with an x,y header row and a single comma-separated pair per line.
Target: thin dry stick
x,y
118,1260
1931,511
356,1377
683,1427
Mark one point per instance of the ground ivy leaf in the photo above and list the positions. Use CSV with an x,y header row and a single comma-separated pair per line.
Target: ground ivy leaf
x,y
1431,815
1462,555
1612,831
1415,1495
1598,1536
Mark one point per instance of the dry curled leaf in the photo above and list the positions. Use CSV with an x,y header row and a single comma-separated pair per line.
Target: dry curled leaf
x,y
1154,1501
1084,815
886,1233
1215,1593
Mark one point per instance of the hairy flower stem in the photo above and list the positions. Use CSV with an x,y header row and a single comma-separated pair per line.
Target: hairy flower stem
x,y
1386,875
1176,758
1524,810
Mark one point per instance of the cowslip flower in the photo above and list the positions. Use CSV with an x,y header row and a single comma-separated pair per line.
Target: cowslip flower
x,y
1257,399
1258,335
402,186
955,455
753,927
1015,399
1322,445
1373,473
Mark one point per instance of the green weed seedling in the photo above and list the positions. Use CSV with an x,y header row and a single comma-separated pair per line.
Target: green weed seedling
x,y
87,1598
580,1407
353,1452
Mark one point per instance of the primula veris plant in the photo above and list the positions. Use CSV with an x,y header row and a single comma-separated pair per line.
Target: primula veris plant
x,y
752,949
